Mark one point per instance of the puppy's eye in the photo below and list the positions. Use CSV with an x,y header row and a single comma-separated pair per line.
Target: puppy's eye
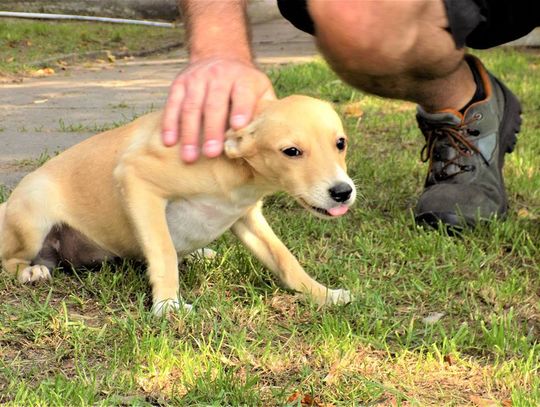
x,y
292,152
341,143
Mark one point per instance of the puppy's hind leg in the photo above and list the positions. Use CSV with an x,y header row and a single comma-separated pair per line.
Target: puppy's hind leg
x,y
23,230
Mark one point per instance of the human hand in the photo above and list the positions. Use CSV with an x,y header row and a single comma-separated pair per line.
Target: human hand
x,y
206,98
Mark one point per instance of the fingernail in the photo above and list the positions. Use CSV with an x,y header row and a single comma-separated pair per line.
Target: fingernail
x,y
169,137
238,120
190,152
212,148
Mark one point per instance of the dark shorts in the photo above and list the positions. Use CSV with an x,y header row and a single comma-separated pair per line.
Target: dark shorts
x,y
477,24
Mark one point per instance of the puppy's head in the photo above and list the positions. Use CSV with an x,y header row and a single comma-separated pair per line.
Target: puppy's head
x,y
297,144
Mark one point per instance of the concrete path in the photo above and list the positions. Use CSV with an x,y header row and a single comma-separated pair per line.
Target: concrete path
x,y
44,115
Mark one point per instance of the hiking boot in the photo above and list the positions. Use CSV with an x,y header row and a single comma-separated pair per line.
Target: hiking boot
x,y
466,152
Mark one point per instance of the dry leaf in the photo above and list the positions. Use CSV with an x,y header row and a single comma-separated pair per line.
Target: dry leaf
x,y
10,59
332,373
226,361
353,109
507,403
293,397
306,400
448,359
482,402
111,57
524,213
43,72
432,318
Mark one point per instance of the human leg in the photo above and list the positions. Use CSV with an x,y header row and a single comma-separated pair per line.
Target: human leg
x,y
413,50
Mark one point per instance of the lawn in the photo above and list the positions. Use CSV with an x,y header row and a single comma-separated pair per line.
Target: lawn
x,y
26,45
437,321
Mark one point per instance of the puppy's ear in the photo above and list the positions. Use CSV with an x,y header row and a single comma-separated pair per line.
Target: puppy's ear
x,y
241,143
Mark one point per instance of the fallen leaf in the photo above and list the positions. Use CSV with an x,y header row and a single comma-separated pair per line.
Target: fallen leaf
x,y
10,59
43,72
482,402
432,318
111,57
293,397
332,373
225,360
524,213
353,109
448,359
306,400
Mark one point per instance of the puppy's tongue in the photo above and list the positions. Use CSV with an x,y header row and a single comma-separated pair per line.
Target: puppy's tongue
x,y
338,211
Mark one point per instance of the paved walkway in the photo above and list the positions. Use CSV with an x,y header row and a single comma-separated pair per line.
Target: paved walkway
x,y
46,115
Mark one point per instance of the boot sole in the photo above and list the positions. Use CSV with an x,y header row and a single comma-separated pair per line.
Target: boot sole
x,y
508,129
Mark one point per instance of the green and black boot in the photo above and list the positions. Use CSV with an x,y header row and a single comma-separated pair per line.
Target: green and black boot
x,y
466,152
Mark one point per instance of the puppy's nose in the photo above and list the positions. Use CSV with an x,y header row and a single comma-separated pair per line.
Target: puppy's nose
x,y
340,192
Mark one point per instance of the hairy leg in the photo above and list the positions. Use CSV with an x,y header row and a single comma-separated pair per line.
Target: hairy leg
x,y
396,49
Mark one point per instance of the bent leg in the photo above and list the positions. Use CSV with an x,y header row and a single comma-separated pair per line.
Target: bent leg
x,y
397,49
24,227
257,235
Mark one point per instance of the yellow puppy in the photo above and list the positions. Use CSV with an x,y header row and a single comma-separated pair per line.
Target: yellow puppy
x,y
123,194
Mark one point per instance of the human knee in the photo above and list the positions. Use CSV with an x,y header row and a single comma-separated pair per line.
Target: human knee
x,y
378,37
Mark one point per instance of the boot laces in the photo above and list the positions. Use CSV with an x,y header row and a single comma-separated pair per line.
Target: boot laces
x,y
455,137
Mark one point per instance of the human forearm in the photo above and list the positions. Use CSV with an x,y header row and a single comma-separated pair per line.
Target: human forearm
x,y
220,87
208,36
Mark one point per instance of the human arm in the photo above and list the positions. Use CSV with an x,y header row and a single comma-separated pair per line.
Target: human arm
x,y
220,87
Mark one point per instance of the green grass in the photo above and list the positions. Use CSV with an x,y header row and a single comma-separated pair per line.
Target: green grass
x,y
88,338
99,128
24,43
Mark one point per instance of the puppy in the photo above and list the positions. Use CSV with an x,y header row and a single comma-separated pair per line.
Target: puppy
x,y
123,194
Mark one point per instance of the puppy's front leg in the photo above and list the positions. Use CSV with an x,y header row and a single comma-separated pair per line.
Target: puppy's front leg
x,y
146,211
258,236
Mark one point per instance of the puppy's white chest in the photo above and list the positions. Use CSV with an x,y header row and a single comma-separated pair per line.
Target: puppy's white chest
x,y
196,222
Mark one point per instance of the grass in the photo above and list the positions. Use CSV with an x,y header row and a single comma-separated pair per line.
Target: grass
x,y
24,43
88,338
95,128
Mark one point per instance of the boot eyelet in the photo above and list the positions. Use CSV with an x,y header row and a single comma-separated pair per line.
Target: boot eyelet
x,y
478,116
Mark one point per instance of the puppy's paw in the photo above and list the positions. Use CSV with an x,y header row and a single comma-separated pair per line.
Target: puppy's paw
x,y
34,274
161,308
339,296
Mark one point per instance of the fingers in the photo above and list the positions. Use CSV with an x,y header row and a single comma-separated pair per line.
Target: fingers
x,y
169,134
244,98
243,101
190,122
216,108
208,97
